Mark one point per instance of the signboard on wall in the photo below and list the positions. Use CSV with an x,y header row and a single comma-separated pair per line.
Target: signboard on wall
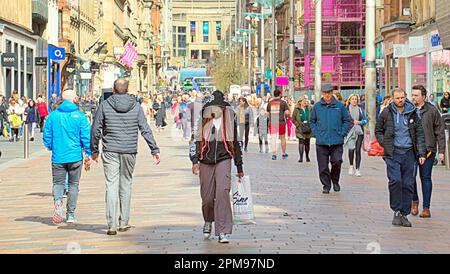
x,y
9,60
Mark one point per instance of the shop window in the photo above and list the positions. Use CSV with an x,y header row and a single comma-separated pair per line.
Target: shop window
x,y
419,70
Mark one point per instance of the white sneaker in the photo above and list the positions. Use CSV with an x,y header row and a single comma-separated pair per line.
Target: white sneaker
x,y
351,171
358,173
223,238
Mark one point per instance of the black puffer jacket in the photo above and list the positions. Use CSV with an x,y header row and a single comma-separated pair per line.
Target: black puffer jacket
x,y
117,122
385,132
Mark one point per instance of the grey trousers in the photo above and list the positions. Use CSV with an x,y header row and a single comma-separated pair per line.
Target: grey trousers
x,y
118,176
215,184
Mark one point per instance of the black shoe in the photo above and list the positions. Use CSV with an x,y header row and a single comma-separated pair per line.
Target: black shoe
x,y
397,221
207,230
124,228
326,191
336,187
32,139
300,161
245,149
405,221
111,232
308,160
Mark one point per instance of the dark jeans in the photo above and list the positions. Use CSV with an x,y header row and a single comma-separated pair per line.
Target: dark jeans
x,y
59,172
351,153
304,145
425,177
400,172
325,156
244,131
41,124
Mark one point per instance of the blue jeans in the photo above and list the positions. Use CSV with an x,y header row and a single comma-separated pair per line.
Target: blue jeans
x,y
59,173
425,177
400,172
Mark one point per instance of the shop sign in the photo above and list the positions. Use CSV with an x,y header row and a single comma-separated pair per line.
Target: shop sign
x,y
9,60
435,40
40,61
416,43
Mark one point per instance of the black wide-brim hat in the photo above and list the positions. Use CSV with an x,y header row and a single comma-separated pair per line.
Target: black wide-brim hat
x,y
215,99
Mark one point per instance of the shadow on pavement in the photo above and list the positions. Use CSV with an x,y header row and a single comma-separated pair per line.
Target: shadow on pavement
x,y
93,228
37,219
41,194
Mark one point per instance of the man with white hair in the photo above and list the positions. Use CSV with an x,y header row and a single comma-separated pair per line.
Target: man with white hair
x,y
67,133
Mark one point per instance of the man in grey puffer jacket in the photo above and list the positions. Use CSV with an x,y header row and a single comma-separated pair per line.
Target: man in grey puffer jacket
x,y
116,123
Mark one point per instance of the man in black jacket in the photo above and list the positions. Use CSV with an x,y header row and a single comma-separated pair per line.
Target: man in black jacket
x,y
116,123
434,127
400,132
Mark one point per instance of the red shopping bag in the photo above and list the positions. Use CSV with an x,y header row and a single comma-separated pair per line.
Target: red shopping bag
x,y
375,149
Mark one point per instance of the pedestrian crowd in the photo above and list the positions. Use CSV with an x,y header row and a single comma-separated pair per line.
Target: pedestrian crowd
x,y
218,127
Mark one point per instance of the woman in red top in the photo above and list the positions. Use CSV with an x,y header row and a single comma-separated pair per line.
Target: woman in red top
x,y
43,111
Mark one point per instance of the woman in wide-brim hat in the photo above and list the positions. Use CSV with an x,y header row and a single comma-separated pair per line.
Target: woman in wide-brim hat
x,y
211,152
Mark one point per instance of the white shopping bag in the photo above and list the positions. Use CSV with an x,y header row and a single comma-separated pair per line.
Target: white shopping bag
x,y
241,199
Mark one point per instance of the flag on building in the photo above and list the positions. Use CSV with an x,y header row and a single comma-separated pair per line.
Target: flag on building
x,y
129,55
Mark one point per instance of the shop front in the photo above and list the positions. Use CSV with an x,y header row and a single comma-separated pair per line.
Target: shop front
x,y
427,62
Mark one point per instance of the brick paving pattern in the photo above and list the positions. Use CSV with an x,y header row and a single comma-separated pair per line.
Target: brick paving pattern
x,y
292,214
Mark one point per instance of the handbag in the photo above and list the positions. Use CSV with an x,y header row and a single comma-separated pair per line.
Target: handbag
x,y
241,199
16,122
305,127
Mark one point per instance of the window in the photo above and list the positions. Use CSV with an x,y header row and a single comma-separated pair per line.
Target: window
x,y
219,30
8,46
205,32
174,41
195,54
193,30
206,54
181,41
60,25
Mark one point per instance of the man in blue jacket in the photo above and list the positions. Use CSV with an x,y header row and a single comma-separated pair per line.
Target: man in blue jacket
x,y
330,123
66,133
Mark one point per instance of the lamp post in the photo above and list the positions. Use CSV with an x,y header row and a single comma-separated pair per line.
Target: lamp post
x,y
274,62
291,47
318,51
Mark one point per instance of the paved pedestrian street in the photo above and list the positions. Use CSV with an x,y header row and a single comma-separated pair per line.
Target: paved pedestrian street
x,y
292,214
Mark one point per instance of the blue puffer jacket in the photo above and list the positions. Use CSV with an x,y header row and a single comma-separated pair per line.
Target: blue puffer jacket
x,y
66,133
330,123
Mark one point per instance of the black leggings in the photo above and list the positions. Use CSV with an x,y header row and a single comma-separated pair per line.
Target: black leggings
x,y
246,130
304,146
41,123
351,152
14,133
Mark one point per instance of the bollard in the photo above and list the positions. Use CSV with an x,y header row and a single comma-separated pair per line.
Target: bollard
x,y
447,149
26,142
